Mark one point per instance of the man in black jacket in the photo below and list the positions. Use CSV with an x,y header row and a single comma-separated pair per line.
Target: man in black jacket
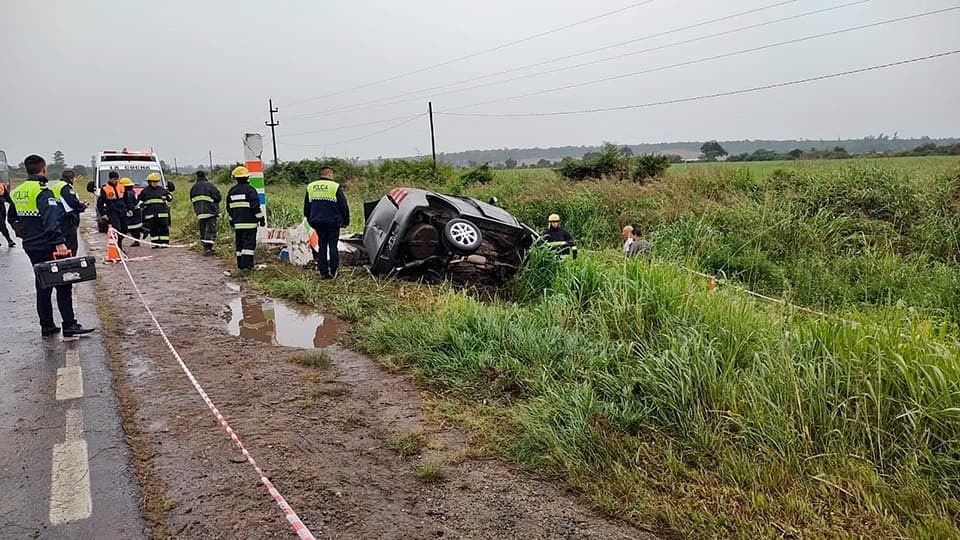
x,y
72,207
155,202
326,209
4,201
206,204
243,209
112,206
38,216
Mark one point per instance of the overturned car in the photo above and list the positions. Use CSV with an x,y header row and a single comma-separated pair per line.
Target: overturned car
x,y
427,235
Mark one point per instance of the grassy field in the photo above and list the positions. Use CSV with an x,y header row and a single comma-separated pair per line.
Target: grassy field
x,y
702,414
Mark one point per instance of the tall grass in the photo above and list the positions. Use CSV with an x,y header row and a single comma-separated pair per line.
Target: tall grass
x,y
788,414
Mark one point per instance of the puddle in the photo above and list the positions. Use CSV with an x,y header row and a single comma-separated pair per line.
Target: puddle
x,y
277,323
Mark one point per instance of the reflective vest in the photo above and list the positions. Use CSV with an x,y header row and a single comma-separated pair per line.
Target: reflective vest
x,y
57,189
323,190
25,198
112,192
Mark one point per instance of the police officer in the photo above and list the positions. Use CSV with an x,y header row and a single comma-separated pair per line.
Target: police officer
x,y
243,209
4,201
38,216
72,207
326,209
155,201
206,204
134,213
112,206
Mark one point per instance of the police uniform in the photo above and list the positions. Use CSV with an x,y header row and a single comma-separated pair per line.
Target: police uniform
x,y
326,209
156,212
243,209
39,215
72,207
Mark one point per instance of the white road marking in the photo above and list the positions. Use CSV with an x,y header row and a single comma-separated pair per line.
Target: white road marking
x,y
69,383
70,483
74,425
73,358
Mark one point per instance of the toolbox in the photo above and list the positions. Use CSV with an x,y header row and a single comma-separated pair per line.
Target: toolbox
x,y
65,271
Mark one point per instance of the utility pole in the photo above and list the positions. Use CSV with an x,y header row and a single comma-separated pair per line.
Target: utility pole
x,y
272,124
176,167
210,153
433,141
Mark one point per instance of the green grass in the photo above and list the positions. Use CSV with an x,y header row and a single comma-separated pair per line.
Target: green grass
x,y
431,471
407,444
317,359
704,415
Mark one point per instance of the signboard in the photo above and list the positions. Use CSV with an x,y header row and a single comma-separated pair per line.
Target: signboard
x,y
4,169
252,150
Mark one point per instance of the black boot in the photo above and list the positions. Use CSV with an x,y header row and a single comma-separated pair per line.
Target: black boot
x,y
47,331
75,329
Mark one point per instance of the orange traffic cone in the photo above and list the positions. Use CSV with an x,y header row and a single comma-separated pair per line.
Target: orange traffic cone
x,y
113,252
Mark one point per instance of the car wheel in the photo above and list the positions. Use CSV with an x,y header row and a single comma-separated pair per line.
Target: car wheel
x,y
462,235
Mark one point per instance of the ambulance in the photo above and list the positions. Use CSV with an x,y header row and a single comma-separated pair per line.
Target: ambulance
x,y
133,164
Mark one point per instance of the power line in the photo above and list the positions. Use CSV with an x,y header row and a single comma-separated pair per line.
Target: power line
x,y
367,136
362,124
706,59
362,105
709,96
478,53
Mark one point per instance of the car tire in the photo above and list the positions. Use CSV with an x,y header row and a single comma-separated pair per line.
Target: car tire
x,y
462,236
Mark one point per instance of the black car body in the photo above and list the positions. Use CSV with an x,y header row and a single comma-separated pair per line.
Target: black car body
x,y
419,233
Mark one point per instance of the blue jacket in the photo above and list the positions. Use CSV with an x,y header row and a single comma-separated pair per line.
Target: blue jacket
x,y
41,232
325,204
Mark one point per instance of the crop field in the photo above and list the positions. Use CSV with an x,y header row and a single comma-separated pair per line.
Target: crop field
x,y
698,413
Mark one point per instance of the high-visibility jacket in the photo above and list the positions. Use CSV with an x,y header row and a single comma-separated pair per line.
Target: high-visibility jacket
x,y
206,199
154,202
325,204
72,207
38,213
111,201
243,206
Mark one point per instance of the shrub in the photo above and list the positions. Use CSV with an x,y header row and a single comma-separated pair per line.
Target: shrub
x,y
478,175
650,166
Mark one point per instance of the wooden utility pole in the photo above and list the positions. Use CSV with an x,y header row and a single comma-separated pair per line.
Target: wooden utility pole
x,y
210,153
433,141
272,124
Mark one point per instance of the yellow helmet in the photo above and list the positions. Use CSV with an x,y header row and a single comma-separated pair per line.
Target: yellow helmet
x,y
554,217
126,181
240,172
153,177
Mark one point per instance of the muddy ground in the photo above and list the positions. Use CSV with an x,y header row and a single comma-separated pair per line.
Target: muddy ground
x,y
324,436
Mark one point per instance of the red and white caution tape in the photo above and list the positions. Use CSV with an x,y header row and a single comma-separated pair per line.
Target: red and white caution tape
x,y
142,241
302,531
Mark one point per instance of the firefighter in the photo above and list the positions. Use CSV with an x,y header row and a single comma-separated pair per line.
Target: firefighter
x,y
243,209
556,233
155,202
206,204
134,214
112,206
72,206
38,216
326,209
4,201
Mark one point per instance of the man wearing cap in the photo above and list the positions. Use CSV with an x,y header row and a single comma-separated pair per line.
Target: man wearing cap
x,y
206,204
112,206
72,207
243,209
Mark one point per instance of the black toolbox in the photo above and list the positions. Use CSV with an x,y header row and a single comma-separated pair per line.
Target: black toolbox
x,y
65,271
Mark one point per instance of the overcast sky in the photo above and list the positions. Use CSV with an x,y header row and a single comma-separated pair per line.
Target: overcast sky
x,y
185,77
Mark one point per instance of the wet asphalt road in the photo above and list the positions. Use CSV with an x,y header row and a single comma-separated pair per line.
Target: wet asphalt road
x,y
64,464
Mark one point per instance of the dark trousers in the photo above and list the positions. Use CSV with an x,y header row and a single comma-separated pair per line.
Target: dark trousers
x,y
208,232
119,222
159,229
69,231
45,296
3,222
246,246
328,256
136,230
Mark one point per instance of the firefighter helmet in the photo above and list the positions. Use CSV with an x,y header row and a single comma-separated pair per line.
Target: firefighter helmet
x,y
240,172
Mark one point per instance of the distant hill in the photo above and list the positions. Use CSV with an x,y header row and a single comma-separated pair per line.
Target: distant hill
x,y
691,149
